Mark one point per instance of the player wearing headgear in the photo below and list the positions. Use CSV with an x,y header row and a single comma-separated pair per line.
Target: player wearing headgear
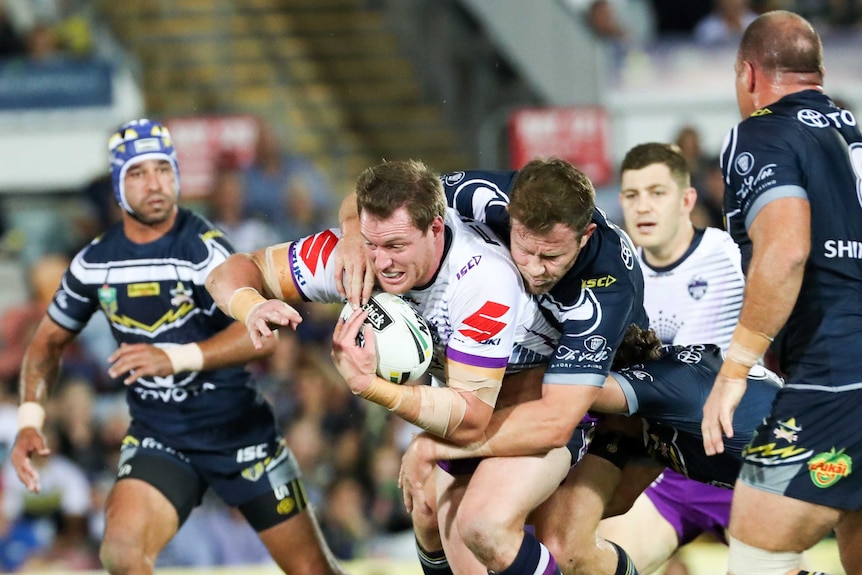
x,y
198,421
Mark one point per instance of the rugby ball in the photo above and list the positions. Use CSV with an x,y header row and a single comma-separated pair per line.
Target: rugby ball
x,y
401,335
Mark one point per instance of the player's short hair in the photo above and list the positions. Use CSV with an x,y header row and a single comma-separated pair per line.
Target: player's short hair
x,y
383,189
549,192
639,345
670,155
133,143
782,42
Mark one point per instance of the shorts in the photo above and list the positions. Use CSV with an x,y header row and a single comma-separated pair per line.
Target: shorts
x,y
807,447
691,507
261,477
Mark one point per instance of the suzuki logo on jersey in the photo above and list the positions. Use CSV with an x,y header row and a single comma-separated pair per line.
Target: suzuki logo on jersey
x,y
317,249
484,324
474,261
598,282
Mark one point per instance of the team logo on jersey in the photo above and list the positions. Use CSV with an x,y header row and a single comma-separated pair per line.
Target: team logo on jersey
x,y
143,289
744,163
697,287
453,178
62,298
761,112
579,319
108,299
595,343
640,375
787,430
181,296
601,282
829,467
812,118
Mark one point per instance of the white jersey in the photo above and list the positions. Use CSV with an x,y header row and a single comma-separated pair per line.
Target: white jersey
x,y
698,298
478,310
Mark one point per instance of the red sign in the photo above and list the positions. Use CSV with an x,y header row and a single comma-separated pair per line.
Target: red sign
x,y
206,143
578,135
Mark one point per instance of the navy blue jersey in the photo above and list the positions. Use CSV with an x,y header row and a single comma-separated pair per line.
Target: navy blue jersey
x,y
592,305
154,293
804,147
669,394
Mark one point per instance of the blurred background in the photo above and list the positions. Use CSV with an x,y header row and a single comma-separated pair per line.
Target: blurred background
x,y
275,107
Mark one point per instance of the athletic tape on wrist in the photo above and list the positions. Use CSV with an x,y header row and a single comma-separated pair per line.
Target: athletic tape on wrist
x,y
187,357
384,393
31,414
745,350
242,301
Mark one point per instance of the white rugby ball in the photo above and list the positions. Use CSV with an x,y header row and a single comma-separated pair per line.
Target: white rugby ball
x,y
402,337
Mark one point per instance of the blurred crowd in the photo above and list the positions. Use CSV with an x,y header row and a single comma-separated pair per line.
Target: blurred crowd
x,y
639,22
349,450
45,30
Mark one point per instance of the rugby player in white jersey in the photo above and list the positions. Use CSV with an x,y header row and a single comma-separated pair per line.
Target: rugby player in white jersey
x,y
462,280
693,286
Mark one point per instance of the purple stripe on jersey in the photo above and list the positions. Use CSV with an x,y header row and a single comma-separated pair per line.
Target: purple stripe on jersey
x,y
547,564
291,257
475,360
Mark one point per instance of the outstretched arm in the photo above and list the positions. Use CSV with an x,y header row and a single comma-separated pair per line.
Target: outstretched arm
x,y
38,374
249,288
356,278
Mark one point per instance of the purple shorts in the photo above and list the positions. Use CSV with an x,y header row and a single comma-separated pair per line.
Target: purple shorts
x,y
690,506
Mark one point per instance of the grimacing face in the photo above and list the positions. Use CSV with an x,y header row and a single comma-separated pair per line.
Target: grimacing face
x,y
656,211
402,256
543,259
151,190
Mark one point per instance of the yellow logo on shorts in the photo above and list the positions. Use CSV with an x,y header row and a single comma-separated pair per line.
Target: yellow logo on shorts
x,y
286,506
254,472
827,468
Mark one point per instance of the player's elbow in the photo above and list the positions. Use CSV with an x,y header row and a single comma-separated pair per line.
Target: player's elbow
x,y
470,430
559,430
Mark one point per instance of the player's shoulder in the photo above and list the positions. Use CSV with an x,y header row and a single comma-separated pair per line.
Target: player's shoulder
x,y
198,238
497,180
471,238
719,242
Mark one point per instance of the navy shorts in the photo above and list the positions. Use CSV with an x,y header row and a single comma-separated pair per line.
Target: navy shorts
x,y
806,449
260,476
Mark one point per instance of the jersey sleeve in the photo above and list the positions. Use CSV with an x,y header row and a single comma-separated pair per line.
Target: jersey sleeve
x,y
304,268
483,320
74,302
591,332
218,249
760,165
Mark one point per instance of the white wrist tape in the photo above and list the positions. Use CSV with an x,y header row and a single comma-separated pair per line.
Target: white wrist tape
x,y
187,357
31,414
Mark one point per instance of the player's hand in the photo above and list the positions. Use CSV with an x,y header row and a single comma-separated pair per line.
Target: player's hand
x,y
29,442
718,412
355,355
268,316
139,360
417,471
352,269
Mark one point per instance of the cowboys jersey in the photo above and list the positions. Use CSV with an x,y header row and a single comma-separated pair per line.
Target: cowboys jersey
x,y
476,306
154,293
802,146
595,301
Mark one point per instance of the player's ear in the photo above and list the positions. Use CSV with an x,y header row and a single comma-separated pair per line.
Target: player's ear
x,y
689,199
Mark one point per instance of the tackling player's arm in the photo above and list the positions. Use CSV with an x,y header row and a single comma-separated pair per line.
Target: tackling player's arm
x,y
459,412
254,288
781,240
355,277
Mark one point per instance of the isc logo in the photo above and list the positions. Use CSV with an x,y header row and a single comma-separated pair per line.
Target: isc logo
x,y
598,282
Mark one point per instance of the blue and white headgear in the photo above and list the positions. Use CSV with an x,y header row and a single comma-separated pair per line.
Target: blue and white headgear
x,y
135,142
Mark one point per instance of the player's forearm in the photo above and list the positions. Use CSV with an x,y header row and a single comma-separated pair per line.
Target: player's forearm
x,y
239,271
39,371
348,215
